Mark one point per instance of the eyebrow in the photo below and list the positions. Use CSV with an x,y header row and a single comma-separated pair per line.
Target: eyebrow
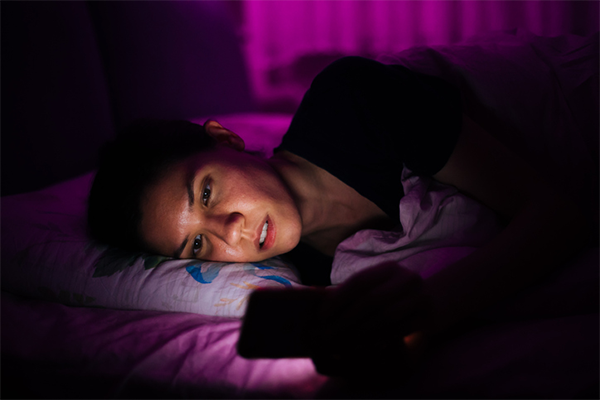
x,y
189,184
190,189
178,252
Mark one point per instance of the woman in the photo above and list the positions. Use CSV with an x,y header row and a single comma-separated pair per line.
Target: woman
x,y
187,191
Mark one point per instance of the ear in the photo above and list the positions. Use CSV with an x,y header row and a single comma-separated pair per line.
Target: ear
x,y
224,136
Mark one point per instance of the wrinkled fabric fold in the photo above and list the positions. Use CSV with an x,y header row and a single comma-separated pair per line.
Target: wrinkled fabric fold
x,y
438,226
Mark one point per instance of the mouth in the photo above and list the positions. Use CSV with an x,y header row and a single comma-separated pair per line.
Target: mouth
x,y
267,235
263,234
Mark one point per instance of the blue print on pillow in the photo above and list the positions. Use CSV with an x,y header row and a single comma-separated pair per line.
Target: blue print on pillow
x,y
207,276
260,267
210,272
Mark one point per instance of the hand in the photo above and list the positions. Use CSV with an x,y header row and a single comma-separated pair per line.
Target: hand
x,y
364,320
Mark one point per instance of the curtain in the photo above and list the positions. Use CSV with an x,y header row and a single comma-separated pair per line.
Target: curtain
x,y
288,42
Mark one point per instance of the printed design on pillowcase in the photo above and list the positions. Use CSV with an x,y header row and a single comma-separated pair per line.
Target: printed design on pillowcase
x,y
212,271
115,260
262,267
207,276
63,263
224,301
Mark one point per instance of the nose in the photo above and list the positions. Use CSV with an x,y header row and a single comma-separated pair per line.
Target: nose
x,y
228,227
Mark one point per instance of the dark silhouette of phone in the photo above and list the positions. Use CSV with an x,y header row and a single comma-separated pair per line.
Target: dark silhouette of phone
x,y
280,323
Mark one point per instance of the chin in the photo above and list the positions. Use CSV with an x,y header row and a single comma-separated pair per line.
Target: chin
x,y
290,243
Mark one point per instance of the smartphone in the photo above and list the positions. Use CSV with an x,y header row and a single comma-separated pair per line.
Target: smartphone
x,y
280,323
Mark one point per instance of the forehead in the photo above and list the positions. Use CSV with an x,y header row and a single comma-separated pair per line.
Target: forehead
x,y
218,156
163,205
171,181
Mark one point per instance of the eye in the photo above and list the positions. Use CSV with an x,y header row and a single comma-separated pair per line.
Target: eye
x,y
206,194
197,245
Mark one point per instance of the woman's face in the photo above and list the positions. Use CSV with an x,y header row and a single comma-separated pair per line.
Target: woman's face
x,y
220,205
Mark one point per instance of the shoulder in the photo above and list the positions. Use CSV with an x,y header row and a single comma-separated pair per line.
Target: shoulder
x,y
350,65
377,82
354,71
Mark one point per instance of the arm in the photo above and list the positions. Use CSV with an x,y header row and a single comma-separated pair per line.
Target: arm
x,y
529,247
543,230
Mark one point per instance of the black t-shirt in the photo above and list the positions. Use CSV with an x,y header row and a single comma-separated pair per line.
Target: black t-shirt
x,y
362,121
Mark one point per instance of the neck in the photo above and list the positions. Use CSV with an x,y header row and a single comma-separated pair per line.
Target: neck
x,y
330,210
306,187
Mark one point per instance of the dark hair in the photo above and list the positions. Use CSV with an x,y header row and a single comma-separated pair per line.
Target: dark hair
x,y
128,165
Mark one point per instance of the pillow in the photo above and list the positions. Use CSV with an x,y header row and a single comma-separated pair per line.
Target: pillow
x,y
47,254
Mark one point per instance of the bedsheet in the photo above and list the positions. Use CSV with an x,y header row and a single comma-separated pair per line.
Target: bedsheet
x,y
438,226
539,343
549,350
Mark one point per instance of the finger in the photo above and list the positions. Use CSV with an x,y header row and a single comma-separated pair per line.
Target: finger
x,y
398,319
390,321
366,284
400,284
405,319
373,304
369,277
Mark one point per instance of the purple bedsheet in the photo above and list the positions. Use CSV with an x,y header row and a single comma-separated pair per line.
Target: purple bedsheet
x,y
548,348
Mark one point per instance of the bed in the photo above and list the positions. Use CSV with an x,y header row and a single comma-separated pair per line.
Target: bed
x,y
80,320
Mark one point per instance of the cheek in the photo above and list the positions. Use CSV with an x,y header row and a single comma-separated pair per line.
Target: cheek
x,y
262,178
271,188
292,232
223,253
253,190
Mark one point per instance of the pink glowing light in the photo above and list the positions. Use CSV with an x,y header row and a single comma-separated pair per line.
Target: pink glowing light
x,y
288,42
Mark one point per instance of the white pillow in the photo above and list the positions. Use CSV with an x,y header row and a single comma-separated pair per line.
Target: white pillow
x,y
47,254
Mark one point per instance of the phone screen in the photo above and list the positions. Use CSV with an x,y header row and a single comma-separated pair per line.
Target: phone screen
x,y
280,323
